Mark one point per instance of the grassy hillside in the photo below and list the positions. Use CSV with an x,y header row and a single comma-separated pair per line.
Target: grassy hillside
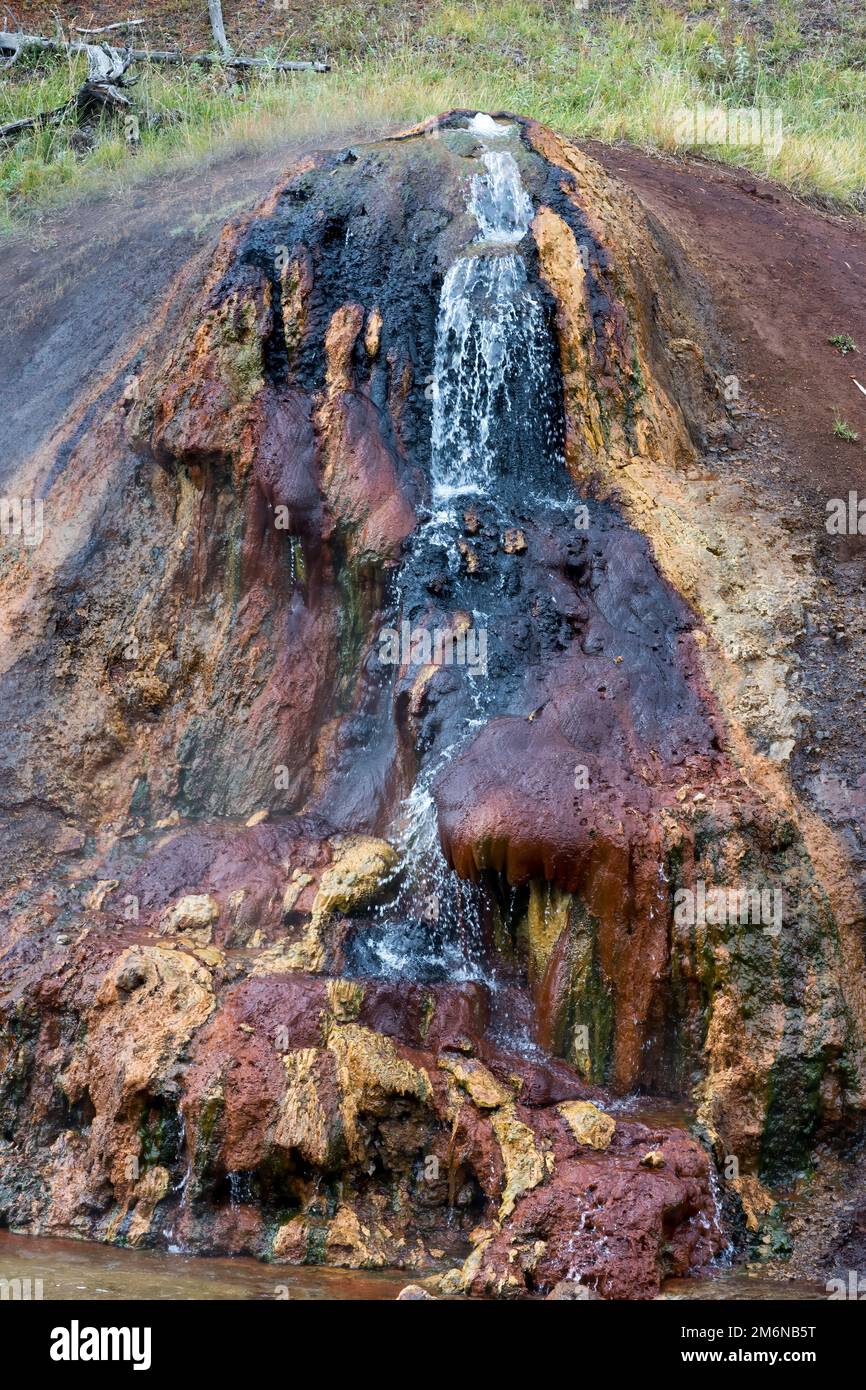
x,y
613,71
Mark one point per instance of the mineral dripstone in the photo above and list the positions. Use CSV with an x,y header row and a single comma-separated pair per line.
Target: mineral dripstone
x,y
210,759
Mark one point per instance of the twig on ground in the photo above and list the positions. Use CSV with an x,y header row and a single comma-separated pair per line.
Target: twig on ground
x,y
107,28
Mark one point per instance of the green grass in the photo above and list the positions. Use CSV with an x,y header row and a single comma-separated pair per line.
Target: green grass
x,y
844,342
587,73
843,430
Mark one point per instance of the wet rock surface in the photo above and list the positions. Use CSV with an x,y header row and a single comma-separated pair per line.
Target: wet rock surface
x,y
322,946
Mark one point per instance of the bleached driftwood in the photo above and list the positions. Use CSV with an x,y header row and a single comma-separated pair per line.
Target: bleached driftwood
x,y
10,43
109,28
107,67
217,28
106,75
101,89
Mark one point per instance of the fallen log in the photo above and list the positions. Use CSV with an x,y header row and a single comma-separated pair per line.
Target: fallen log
x,y
107,69
101,89
208,60
42,118
12,43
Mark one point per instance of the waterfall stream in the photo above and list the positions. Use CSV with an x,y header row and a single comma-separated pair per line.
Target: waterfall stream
x,y
491,382
492,356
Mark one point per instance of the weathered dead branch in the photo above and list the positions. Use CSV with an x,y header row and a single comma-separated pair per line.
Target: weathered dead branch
x,y
217,28
9,43
107,68
109,28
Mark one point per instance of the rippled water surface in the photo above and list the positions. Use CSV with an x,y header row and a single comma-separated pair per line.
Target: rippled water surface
x,y
87,1272
71,1269
751,1288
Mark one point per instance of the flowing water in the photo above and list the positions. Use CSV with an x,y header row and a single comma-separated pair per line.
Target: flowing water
x,y
493,364
495,415
491,372
743,1285
496,445
87,1272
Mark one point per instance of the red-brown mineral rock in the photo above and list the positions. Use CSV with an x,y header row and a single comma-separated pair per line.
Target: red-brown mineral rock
x,y
392,763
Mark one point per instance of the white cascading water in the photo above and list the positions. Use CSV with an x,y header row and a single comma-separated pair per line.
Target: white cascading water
x,y
488,323
499,203
490,333
484,311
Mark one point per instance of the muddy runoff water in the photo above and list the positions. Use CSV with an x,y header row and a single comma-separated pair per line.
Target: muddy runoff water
x,y
82,1271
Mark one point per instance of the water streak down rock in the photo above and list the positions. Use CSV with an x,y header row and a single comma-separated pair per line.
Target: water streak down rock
x,y
319,945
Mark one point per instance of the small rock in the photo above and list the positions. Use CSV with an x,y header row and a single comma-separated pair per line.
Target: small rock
x,y
373,334
130,978
514,541
345,998
294,890
451,1282
781,750
210,955
588,1124
356,876
654,1159
97,895
470,557
414,1293
194,915
479,1084
458,1042
471,521
569,1289
69,841
687,345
